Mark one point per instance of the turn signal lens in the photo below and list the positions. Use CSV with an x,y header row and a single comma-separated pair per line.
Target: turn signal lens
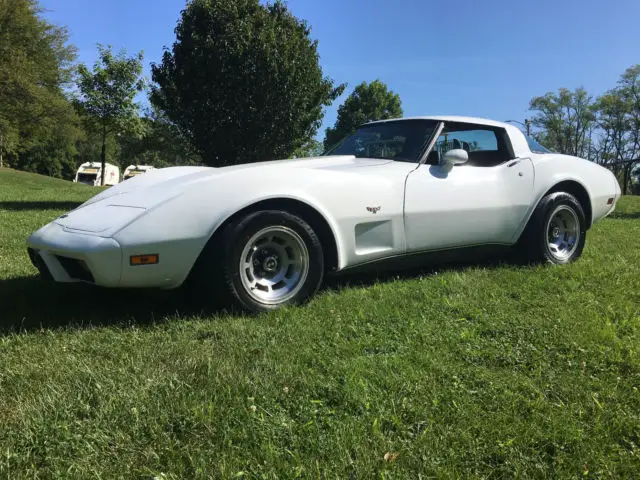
x,y
151,259
610,201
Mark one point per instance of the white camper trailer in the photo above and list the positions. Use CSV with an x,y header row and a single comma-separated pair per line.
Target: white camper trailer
x,y
90,173
133,170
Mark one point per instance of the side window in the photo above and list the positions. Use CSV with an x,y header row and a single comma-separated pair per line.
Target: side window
x,y
486,146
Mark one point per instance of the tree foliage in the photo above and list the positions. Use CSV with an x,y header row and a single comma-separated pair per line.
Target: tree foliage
x,y
312,148
368,101
566,119
619,115
242,81
612,121
38,125
160,144
605,130
44,130
107,94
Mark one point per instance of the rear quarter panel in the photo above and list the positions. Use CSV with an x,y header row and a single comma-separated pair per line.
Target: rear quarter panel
x,y
552,169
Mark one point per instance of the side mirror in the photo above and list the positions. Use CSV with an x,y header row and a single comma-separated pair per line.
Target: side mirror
x,y
457,156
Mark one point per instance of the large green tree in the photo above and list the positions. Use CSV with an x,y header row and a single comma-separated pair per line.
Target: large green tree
x,y
38,125
242,81
367,102
107,97
565,120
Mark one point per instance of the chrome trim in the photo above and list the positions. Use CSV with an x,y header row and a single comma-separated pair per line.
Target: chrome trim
x,y
432,142
563,233
274,265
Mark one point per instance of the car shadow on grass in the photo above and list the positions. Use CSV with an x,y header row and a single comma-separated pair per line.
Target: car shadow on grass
x,y
625,215
20,206
423,266
32,303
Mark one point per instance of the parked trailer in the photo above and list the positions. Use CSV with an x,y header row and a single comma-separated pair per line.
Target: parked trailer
x,y
133,170
90,173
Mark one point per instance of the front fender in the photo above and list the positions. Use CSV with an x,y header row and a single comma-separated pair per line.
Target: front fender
x,y
187,222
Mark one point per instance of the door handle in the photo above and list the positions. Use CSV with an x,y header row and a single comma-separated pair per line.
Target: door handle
x,y
515,162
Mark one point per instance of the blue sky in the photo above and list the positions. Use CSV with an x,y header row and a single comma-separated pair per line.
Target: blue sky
x,y
467,57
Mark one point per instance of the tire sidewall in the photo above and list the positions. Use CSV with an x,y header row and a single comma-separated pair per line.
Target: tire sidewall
x,y
236,238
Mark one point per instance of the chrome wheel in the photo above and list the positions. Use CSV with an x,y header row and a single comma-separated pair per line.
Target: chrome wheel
x,y
563,232
274,265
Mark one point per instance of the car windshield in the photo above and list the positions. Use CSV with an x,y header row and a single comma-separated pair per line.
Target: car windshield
x,y
403,140
535,147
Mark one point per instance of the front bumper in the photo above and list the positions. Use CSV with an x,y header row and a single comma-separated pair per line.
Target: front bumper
x,y
66,256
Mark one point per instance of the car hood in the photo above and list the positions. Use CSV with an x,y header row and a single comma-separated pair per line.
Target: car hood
x,y
147,189
117,206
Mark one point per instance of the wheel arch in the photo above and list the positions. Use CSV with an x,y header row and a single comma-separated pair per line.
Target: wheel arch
x,y
570,186
309,214
579,191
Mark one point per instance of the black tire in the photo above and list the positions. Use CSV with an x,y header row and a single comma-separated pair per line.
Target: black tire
x,y
229,249
551,224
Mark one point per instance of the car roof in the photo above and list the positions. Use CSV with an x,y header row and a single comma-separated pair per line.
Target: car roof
x,y
451,118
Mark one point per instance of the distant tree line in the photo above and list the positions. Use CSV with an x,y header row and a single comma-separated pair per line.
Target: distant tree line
x,y
242,82
55,114
604,129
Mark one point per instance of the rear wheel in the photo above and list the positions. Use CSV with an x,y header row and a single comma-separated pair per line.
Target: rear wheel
x,y
557,230
269,259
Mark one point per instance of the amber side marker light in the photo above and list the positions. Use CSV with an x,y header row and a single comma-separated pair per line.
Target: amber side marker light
x,y
150,259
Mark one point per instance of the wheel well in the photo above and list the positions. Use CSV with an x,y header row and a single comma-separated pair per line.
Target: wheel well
x,y
578,191
302,210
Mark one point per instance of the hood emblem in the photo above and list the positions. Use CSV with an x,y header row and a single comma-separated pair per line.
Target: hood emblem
x,y
373,210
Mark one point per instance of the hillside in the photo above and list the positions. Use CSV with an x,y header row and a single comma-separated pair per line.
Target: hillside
x,y
478,370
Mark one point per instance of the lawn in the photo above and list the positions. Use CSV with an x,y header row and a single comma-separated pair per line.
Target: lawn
x,y
478,370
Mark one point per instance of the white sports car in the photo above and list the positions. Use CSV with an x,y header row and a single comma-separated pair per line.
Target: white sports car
x,y
270,231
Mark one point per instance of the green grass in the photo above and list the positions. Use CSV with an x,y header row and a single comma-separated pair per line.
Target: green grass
x,y
474,371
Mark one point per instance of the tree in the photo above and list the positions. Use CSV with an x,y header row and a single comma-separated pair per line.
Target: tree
x,y
107,95
38,125
618,120
606,131
90,147
565,120
611,119
373,101
242,81
629,91
312,148
160,144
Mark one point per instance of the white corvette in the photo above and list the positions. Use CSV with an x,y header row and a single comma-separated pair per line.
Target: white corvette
x,y
270,231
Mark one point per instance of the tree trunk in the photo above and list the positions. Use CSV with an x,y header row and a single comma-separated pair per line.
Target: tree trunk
x,y
103,155
625,177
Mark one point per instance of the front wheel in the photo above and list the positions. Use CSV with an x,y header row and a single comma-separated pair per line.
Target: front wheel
x,y
557,230
272,258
